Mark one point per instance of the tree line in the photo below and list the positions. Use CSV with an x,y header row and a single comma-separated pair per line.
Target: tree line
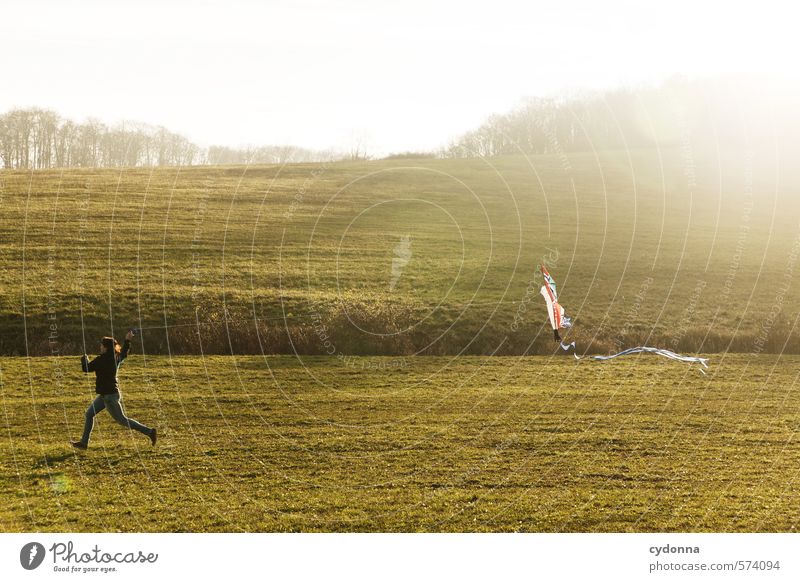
x,y
710,111
707,111
38,139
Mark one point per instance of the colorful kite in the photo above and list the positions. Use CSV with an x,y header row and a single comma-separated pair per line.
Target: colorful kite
x,y
558,318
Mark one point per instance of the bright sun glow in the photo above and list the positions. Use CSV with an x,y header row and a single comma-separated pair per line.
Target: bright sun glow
x,y
398,76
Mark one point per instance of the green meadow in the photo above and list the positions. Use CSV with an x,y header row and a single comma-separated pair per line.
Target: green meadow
x,y
282,443
360,346
405,257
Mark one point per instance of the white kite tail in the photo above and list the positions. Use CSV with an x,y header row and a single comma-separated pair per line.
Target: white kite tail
x,y
648,350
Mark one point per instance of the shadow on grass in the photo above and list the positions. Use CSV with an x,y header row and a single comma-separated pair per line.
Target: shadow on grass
x,y
50,459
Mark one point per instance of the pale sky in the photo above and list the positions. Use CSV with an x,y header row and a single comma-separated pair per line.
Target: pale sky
x,y
406,75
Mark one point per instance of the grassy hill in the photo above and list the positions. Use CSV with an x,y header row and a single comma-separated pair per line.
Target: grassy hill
x,y
397,258
670,247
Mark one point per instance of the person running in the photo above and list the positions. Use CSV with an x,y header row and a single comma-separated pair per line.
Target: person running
x,y
107,387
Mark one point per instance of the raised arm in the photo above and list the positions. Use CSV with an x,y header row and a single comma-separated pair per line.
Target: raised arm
x,y
126,347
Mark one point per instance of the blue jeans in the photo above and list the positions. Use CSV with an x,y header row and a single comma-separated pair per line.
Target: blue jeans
x,y
112,403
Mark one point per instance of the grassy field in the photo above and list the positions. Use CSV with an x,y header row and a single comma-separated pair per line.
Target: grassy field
x,y
692,252
415,444
316,345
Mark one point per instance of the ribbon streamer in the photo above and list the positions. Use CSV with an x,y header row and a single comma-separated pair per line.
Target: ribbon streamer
x,y
643,349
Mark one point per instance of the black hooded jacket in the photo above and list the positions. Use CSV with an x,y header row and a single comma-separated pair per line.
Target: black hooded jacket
x,y
105,368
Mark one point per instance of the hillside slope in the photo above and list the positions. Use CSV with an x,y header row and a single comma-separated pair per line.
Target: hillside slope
x,y
427,256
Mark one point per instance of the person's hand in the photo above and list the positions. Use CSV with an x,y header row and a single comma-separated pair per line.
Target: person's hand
x,y
129,336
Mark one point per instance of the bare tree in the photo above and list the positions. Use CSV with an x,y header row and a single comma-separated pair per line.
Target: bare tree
x,y
36,138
